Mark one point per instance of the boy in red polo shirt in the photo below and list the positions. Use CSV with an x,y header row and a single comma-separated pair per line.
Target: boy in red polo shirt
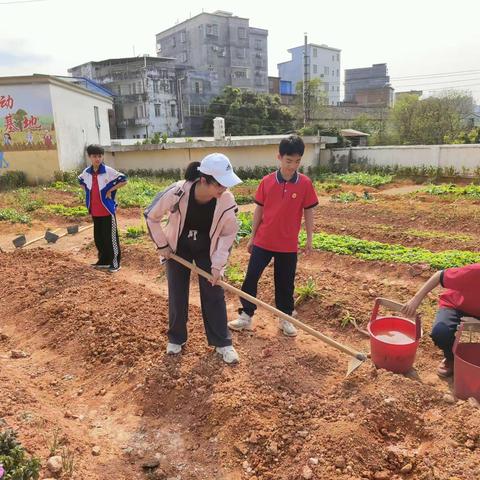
x,y
460,299
282,198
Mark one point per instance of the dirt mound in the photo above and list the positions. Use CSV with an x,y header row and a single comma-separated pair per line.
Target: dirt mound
x,y
285,412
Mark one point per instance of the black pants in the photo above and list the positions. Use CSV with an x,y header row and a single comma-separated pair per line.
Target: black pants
x,y
284,268
214,310
444,329
105,233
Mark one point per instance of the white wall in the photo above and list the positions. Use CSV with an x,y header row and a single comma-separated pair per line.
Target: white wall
x,y
458,156
73,113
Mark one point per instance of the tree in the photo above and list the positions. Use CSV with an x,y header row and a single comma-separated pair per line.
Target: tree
x,y
432,120
317,100
249,113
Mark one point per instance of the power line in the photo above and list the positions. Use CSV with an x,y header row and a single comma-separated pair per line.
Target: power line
x,y
21,1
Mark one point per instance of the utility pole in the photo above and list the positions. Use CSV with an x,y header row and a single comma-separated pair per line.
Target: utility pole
x,y
306,81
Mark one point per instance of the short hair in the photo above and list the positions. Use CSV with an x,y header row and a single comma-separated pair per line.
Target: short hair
x,y
95,150
291,145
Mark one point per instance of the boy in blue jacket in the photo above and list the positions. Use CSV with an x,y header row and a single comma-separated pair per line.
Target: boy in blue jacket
x,y
100,183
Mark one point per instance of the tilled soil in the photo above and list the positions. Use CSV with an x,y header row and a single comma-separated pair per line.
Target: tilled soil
x,y
97,375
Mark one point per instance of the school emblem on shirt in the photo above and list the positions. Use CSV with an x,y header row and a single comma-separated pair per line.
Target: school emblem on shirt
x,y
294,195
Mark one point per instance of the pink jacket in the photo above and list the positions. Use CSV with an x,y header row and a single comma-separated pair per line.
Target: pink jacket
x,y
174,200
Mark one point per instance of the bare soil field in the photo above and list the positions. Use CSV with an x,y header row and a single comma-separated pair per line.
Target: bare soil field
x,y
95,379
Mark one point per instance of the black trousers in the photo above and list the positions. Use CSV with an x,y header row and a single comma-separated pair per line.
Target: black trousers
x,y
105,233
444,328
284,268
214,310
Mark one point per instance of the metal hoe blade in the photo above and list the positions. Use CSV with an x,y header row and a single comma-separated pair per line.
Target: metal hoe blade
x,y
353,364
20,241
51,237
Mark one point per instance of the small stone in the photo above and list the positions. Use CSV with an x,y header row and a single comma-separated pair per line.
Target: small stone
x,y
96,451
470,444
407,468
273,448
449,398
151,464
19,354
303,433
54,464
241,448
307,472
253,438
474,402
382,475
389,401
340,462
313,461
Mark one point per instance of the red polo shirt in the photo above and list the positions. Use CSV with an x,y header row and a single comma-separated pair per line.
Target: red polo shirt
x,y
463,289
283,203
96,206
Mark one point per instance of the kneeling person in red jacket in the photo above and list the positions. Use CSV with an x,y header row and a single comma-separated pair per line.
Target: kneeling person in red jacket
x,y
460,299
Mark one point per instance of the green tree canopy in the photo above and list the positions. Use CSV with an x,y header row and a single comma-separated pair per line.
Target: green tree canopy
x,y
431,120
249,113
317,100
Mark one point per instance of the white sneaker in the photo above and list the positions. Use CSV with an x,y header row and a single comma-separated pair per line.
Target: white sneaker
x,y
243,322
173,348
229,354
286,327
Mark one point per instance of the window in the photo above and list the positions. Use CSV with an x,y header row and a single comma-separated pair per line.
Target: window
x,y
140,111
158,111
333,58
326,70
315,69
338,57
97,117
134,88
241,53
199,87
258,44
171,85
156,86
183,37
314,52
173,110
212,30
242,33
333,88
174,43
240,74
338,89
183,57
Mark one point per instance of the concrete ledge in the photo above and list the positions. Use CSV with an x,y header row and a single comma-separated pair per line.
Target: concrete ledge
x,y
210,142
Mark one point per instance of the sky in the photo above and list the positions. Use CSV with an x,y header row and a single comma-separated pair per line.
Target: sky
x,y
434,44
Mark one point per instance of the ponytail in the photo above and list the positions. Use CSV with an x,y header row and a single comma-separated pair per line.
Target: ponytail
x,y
192,172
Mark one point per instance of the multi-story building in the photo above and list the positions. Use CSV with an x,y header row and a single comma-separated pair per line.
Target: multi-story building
x,y
145,91
369,86
213,50
323,62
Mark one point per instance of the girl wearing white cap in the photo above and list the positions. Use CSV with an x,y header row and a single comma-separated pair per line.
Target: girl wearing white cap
x,y
201,227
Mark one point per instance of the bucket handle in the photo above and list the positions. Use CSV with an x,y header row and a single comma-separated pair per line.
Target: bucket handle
x,y
397,307
458,336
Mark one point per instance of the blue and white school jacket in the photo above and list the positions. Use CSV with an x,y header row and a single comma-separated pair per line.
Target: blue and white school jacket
x,y
108,177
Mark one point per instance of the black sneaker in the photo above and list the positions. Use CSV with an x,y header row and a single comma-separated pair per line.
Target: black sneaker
x,y
114,269
99,265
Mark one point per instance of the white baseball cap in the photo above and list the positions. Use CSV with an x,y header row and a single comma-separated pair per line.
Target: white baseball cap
x,y
219,167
